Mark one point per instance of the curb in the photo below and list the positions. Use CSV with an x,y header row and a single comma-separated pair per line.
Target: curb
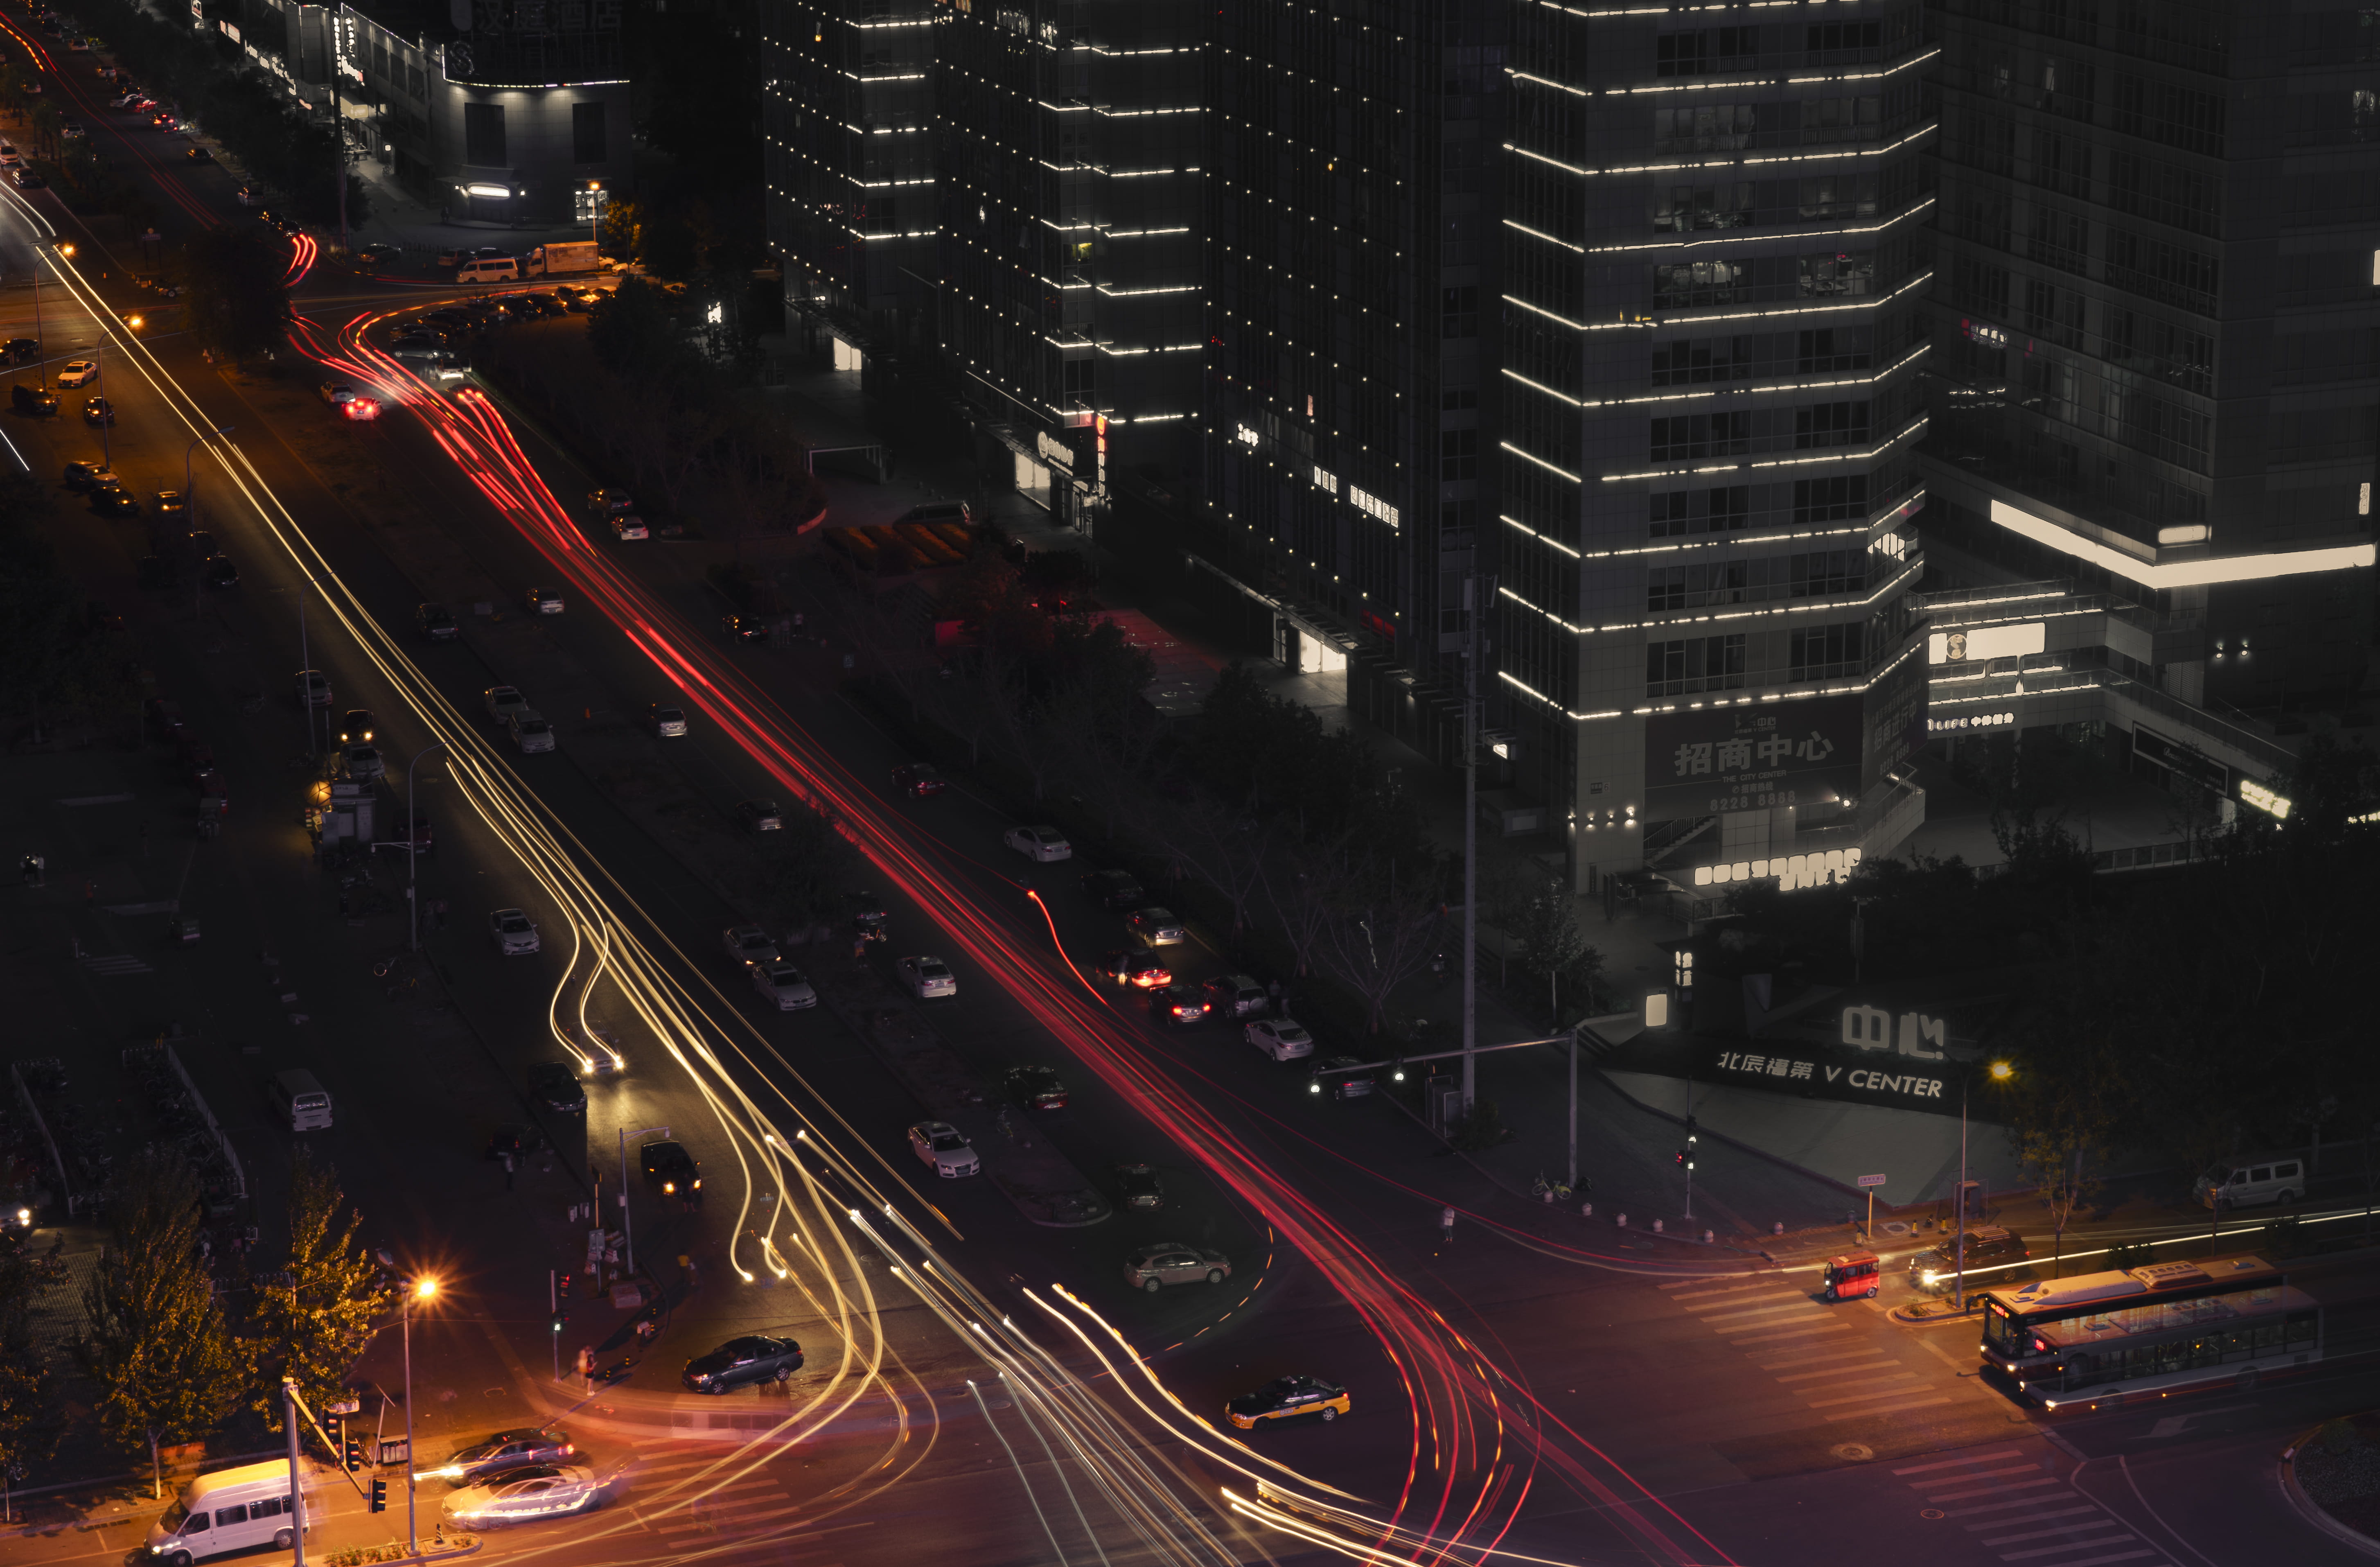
x,y
2312,1511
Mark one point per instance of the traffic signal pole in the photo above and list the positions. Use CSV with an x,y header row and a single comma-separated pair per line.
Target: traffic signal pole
x,y
297,1481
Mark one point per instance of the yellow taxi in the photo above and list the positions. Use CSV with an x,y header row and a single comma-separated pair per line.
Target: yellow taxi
x,y
1288,1398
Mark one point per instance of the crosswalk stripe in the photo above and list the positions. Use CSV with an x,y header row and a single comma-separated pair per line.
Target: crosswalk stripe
x,y
1973,1458
1720,1297
1909,1377
1765,1317
1789,1333
1760,1282
2068,1530
2078,1545
2061,1513
2027,1468
2119,1556
1991,1507
1996,1490
122,963
1861,1370
1734,1298
736,1521
1887,1409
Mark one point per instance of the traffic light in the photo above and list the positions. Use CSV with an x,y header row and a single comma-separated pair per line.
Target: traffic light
x,y
1690,1128
1681,1159
355,1455
558,1318
379,1502
564,1280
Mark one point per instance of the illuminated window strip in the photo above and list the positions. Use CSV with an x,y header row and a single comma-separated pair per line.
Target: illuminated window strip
x,y
1540,234
1691,318
1915,427
1833,605
1507,678
1542,539
2182,574
1566,625
1873,379
1743,162
1735,236
1749,700
1541,462
1728,83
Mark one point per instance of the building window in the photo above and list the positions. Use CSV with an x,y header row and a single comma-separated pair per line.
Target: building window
x,y
1831,424
1702,511
483,135
1701,435
588,142
1697,664
1679,208
1458,313
1688,283
1458,454
1826,652
1829,500
1707,128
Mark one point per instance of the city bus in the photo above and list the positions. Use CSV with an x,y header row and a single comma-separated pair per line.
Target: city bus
x,y
2109,1336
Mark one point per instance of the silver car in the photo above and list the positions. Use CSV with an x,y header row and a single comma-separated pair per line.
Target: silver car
x,y
945,1147
530,731
669,723
513,932
1039,844
1281,1037
502,702
1171,1262
1157,927
523,1496
363,764
784,984
749,944
927,977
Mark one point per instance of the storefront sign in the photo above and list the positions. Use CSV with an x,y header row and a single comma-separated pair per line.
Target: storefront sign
x,y
1980,643
1054,452
1968,724
1870,1029
2275,806
1716,760
1790,1072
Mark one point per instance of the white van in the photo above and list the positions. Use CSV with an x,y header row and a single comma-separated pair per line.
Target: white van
x,y
230,1509
490,269
300,1101
2245,1182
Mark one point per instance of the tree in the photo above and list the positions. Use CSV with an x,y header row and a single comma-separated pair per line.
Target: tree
x,y
802,866
312,1321
57,650
237,300
1551,945
1380,938
31,1422
155,1339
2056,1103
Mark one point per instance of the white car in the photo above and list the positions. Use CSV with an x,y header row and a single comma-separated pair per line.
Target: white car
x,y
630,527
363,764
545,601
513,932
79,372
784,984
669,723
1157,927
1281,1037
502,702
9,159
749,944
524,1495
927,976
530,731
313,688
1043,843
945,1147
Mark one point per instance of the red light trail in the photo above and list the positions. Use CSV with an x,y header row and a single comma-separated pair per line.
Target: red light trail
x,y
1479,1438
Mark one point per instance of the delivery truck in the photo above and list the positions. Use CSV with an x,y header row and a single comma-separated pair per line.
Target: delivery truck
x,y
552,261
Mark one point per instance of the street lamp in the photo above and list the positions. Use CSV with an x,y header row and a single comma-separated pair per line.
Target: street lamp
x,y
595,213
2002,1071
413,848
193,446
422,1289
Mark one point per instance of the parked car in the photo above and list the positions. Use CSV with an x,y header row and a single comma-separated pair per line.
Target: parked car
x,y
513,932
217,572
1289,1397
784,984
545,601
88,473
749,944
17,350
1140,1187
77,374
609,502
1281,1037
1231,996
313,688
743,628
1041,844
926,977
363,764
1136,966
34,402
437,623
1156,927
758,816
945,1147
1180,1004
555,1085
357,728
741,1363
98,410
502,702
532,734
627,528
918,780
1993,1250
1035,1087
1344,1083
172,505
1161,1263
523,1496
669,723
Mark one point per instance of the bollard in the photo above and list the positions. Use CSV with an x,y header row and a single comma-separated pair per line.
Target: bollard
x,y
1657,1226
1707,1237
1777,1227
1621,1220
1587,1211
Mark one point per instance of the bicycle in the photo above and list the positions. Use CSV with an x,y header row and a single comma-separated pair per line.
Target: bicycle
x,y
1547,1191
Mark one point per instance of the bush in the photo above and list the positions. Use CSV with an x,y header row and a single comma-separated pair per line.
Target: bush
x,y
1484,1128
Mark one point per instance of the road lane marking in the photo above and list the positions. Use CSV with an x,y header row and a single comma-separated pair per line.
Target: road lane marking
x,y
1861,1370
1886,1409
1992,1457
1871,1397
1789,1333
2063,1529
2004,1522
2102,1560
1996,1490
1740,1318
2026,1467
2079,1545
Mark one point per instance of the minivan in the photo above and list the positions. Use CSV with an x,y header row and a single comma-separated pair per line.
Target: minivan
x,y
230,1509
302,1100
490,269
2247,1181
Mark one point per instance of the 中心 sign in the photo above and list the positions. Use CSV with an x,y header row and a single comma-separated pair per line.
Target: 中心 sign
x,y
1710,760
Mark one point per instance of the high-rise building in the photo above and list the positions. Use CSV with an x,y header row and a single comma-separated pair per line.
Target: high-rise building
x,y
1067,147
2155,348
848,153
1352,308
1708,650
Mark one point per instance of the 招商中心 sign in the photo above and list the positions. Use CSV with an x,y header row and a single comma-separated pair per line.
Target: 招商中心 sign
x,y
1710,760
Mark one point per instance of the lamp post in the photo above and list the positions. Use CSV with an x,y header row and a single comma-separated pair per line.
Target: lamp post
x,y
415,1289
413,848
193,446
2002,1071
595,213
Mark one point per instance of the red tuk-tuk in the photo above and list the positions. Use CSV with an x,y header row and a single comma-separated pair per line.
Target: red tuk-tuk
x,y
1854,1273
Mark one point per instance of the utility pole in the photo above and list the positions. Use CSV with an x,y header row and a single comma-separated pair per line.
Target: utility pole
x,y
1475,591
1574,1112
297,1480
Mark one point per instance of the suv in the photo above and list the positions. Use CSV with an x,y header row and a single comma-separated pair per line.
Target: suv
x,y
1991,1250
1237,995
33,402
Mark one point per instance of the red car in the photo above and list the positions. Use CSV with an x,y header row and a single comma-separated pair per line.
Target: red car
x,y
1136,966
1035,1087
918,780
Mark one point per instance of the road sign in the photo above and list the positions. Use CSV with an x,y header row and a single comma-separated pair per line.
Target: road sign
x,y
1871,1180
344,1407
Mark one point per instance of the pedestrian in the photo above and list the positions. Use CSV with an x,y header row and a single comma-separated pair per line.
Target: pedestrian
x,y
859,947
508,1172
1273,991
1445,1225
585,1365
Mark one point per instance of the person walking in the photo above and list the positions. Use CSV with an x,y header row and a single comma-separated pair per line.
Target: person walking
x,y
586,1367
1446,1226
508,1172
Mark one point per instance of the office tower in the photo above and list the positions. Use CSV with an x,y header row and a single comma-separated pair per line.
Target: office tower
x,y
1352,308
2154,319
849,157
1714,253
1066,299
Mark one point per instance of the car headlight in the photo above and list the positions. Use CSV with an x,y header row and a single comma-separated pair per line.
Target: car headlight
x,y
1932,1277
669,1188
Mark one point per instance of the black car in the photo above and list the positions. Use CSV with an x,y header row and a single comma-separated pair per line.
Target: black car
x,y
359,727
1180,1004
740,1362
113,500
199,155
1035,1087
1114,889
744,628
1342,1083
27,179
437,623
98,410
668,1166
20,350
1139,1188
1136,966
219,572
555,1085
34,402
508,1450
172,506
867,914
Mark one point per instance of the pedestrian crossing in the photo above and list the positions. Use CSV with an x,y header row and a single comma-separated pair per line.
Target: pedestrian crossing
x,y
2010,1507
1804,1343
699,1500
